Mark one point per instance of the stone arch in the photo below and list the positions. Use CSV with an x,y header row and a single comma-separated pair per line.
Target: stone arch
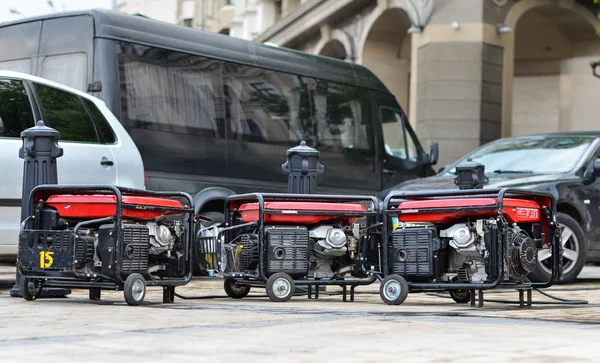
x,y
563,53
335,43
386,51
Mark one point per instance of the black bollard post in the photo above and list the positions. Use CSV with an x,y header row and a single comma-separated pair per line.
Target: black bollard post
x,y
39,151
303,165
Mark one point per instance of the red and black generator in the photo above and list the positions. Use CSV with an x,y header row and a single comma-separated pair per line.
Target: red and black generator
x,y
467,240
105,237
457,241
280,241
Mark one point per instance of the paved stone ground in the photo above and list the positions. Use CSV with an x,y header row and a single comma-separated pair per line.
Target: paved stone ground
x,y
425,328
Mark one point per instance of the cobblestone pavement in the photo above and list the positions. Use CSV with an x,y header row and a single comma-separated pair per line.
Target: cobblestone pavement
x,y
427,327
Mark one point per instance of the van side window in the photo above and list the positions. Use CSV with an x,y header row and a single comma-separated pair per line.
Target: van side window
x,y
65,112
340,116
21,65
262,105
397,141
105,132
15,109
68,69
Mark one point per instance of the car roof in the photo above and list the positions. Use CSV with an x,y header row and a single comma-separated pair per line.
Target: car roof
x,y
47,82
143,30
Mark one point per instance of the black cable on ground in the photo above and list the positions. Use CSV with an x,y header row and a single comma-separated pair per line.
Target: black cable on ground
x,y
560,301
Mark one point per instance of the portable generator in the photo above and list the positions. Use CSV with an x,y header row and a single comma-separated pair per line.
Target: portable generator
x,y
105,237
466,241
280,241
457,241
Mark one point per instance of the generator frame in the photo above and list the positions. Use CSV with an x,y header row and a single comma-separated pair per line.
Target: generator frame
x,y
497,257
261,279
63,276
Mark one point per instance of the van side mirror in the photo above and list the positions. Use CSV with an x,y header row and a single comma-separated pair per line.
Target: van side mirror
x,y
597,167
443,168
596,68
433,153
1,125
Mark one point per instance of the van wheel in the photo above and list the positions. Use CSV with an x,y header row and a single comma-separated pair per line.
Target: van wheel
x,y
574,252
199,260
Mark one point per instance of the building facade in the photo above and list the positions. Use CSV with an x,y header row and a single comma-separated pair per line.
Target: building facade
x,y
465,71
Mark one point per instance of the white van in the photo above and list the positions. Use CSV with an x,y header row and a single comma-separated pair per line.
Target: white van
x,y
97,149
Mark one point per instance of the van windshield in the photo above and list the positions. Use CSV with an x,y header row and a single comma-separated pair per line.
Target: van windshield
x,y
534,155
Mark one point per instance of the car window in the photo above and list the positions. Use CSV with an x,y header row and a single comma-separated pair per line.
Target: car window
x,y
15,109
105,132
394,134
65,112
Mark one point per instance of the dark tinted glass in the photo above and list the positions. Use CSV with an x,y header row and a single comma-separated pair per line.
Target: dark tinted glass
x,y
340,116
171,91
105,132
264,106
15,109
65,112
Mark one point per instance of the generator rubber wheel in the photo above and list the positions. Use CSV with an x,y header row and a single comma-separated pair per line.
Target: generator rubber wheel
x,y
134,289
30,288
460,296
199,264
574,253
393,290
233,290
280,287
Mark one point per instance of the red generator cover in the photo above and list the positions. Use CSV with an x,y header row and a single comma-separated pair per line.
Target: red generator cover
x,y
289,212
100,206
515,210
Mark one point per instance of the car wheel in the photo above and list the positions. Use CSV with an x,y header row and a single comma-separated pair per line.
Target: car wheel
x,y
574,252
199,262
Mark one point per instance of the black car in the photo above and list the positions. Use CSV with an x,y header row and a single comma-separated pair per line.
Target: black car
x,y
565,164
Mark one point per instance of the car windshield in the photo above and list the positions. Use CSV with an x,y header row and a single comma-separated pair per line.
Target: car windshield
x,y
535,155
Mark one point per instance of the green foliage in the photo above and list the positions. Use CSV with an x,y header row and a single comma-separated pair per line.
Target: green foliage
x,y
597,2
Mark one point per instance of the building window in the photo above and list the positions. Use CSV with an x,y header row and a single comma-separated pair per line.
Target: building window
x,y
187,22
229,2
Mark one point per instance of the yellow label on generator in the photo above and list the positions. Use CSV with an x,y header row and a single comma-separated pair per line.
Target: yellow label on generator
x,y
394,223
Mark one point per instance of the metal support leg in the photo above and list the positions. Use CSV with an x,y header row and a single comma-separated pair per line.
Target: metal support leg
x,y
352,293
345,292
472,294
316,292
310,291
480,298
95,293
168,294
521,299
529,300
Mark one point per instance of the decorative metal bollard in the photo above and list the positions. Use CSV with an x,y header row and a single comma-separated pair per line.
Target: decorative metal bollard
x,y
39,151
303,165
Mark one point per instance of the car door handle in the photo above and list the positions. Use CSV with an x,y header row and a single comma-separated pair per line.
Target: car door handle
x,y
389,171
106,162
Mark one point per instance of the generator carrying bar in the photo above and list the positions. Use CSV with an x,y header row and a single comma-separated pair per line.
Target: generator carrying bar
x,y
234,202
547,204
65,278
